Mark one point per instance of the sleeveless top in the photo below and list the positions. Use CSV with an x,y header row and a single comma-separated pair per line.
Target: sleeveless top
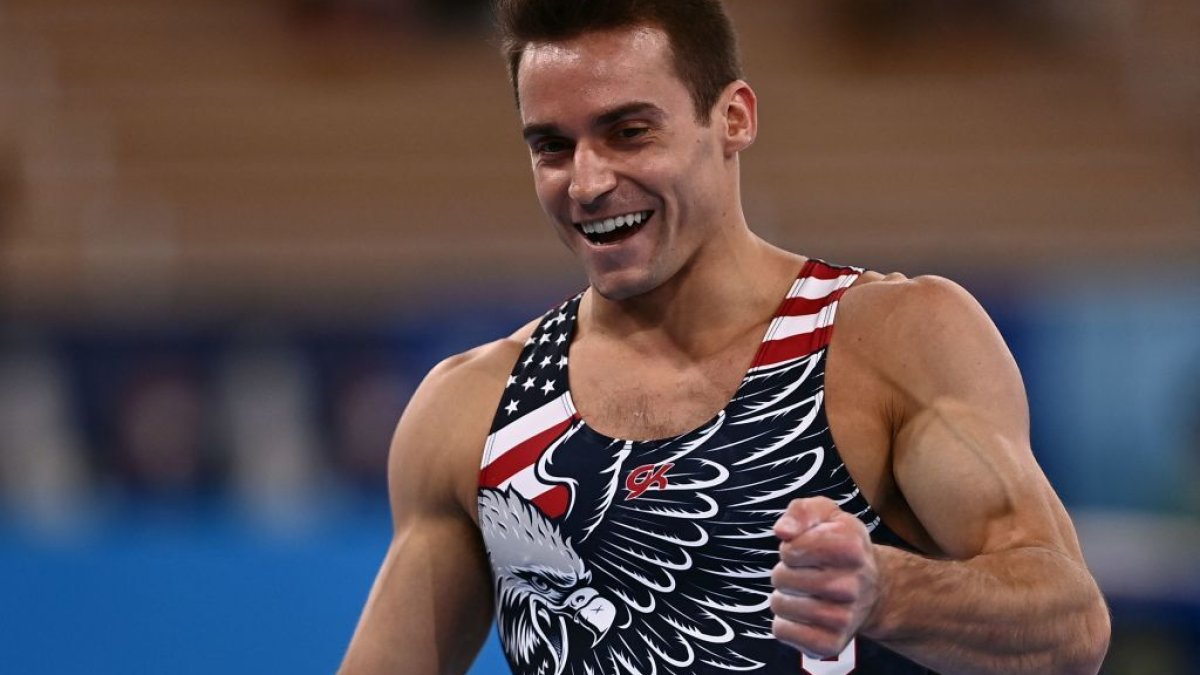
x,y
617,556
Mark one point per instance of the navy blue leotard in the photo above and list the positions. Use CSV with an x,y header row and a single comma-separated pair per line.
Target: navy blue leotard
x,y
616,556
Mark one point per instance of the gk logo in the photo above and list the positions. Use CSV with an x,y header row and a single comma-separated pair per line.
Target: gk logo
x,y
645,477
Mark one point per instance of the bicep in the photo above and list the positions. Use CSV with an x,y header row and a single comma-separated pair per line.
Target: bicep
x,y
961,454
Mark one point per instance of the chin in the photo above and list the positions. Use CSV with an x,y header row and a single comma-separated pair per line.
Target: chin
x,y
623,285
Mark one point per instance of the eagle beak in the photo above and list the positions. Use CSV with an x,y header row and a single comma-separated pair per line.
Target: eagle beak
x,y
593,612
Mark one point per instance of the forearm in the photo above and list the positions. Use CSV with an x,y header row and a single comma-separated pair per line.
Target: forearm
x,y
430,607
1027,610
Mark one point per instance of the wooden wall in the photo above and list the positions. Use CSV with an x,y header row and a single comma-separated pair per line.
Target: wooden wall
x,y
215,156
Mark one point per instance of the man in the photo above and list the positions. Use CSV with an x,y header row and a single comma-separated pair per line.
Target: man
x,y
677,504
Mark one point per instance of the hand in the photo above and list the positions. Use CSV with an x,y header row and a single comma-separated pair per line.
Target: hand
x,y
826,582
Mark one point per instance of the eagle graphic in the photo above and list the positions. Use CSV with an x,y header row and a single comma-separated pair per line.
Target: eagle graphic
x,y
676,580
542,589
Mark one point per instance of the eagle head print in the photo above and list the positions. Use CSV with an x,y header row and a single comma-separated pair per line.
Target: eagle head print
x,y
545,603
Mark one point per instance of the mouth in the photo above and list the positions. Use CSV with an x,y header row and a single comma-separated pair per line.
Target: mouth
x,y
614,229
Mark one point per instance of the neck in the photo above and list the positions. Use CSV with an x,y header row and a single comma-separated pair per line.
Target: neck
x,y
732,285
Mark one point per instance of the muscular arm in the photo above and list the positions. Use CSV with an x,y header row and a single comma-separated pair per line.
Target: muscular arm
x,y
1015,596
430,606
1009,592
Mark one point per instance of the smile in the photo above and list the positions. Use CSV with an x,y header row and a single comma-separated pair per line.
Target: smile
x,y
609,230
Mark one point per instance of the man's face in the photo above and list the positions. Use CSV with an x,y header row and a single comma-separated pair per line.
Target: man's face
x,y
633,183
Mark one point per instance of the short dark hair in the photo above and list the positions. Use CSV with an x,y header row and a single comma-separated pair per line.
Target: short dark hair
x,y
700,33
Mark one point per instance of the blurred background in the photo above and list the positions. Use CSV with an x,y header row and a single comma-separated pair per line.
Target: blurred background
x,y
234,234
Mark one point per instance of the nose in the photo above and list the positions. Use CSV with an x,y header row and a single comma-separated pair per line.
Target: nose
x,y
591,176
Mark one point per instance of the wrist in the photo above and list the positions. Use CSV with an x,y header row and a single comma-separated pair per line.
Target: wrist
x,y
880,623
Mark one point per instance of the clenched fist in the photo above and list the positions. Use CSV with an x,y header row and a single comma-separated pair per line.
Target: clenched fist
x,y
826,581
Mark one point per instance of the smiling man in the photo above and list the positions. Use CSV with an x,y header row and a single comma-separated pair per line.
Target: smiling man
x,y
682,469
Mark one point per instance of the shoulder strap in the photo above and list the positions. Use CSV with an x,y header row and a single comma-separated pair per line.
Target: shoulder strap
x,y
804,322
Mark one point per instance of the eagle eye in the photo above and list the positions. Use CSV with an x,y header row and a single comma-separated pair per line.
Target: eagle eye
x,y
541,582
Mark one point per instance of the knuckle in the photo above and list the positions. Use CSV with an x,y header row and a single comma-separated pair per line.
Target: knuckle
x,y
840,620
849,551
843,589
779,575
785,631
801,608
823,648
785,547
797,551
799,636
779,604
793,555
834,618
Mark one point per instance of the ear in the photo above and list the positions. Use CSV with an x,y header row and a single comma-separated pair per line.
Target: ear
x,y
737,110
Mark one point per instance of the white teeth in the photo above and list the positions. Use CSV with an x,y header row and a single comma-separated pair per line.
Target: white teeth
x,y
610,224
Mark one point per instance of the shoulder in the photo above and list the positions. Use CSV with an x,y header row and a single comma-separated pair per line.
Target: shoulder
x,y
927,332
895,300
465,379
439,440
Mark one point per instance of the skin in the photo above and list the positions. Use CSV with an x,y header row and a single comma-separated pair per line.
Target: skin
x,y
925,402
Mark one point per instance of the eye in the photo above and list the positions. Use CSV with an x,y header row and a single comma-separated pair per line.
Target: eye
x,y
550,146
539,582
631,133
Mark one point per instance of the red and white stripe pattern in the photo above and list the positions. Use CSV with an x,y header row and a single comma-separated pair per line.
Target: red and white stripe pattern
x,y
804,323
534,412
511,454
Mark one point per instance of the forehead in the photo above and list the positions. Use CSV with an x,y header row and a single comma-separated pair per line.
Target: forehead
x,y
597,71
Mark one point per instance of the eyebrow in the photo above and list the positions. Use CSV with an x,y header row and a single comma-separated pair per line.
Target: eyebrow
x,y
603,119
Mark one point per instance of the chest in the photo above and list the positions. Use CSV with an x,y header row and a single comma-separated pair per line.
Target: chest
x,y
627,395
660,534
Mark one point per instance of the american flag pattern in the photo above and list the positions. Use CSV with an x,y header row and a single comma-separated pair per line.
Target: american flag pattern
x,y
618,556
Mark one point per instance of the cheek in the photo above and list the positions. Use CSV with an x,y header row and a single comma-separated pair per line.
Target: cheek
x,y
703,178
688,170
550,189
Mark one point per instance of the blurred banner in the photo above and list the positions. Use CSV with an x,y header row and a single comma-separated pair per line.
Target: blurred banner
x,y
235,234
